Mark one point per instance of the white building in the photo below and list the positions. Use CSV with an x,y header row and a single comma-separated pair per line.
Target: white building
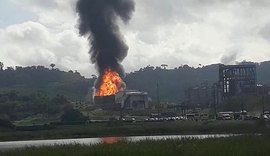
x,y
133,100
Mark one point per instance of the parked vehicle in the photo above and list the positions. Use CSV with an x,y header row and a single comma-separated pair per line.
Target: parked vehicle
x,y
190,116
266,117
250,117
204,116
226,117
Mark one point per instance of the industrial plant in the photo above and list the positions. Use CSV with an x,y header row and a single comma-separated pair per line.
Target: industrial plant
x,y
237,80
205,99
234,81
128,99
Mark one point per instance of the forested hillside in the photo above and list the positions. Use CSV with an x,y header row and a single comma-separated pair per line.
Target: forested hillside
x,y
51,82
172,82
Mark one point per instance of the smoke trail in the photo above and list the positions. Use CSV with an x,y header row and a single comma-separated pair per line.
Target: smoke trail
x,y
98,21
230,57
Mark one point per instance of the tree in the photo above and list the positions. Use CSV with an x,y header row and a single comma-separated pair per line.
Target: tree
x,y
72,115
10,68
76,72
164,66
94,76
52,65
1,65
6,123
18,68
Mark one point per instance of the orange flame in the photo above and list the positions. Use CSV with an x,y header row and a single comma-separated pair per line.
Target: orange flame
x,y
110,83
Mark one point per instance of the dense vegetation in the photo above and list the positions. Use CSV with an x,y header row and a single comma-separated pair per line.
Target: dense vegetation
x,y
14,106
172,82
38,79
236,146
40,91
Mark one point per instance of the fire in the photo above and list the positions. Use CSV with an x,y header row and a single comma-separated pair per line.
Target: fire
x,y
110,83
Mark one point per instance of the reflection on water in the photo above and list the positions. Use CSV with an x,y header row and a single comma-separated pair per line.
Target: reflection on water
x,y
110,140
107,140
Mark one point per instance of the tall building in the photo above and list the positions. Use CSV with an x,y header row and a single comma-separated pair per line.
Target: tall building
x,y
237,80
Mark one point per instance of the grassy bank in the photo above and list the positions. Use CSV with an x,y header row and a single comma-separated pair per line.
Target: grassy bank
x,y
131,129
236,146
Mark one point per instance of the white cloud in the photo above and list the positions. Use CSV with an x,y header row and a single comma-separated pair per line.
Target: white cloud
x,y
56,15
197,32
173,32
31,43
50,38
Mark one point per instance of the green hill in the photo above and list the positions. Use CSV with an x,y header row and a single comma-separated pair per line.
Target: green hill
x,y
172,82
35,79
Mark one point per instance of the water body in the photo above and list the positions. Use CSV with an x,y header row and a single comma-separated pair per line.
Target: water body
x,y
107,140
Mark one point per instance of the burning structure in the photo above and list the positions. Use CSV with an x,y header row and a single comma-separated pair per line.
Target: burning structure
x,y
98,21
236,80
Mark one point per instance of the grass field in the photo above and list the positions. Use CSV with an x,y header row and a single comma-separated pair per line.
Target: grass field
x,y
233,146
142,128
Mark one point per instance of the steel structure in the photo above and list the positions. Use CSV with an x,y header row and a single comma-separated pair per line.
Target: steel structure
x,y
237,80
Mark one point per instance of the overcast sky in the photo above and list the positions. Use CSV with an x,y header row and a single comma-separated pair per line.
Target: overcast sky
x,y
173,32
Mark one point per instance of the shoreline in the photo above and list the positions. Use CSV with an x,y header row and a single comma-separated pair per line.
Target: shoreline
x,y
235,145
137,129
9,145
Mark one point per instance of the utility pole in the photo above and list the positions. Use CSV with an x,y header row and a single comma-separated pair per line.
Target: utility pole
x,y
121,113
216,99
158,102
218,94
242,105
215,105
263,104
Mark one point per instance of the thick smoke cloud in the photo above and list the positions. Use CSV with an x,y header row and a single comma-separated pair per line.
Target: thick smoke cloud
x,y
98,21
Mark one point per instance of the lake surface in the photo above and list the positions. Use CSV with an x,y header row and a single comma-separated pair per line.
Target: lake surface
x,y
106,140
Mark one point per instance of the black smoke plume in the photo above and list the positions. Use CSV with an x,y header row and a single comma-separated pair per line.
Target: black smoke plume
x,y
98,21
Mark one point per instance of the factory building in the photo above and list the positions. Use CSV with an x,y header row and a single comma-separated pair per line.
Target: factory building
x,y
234,80
128,99
132,100
237,80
